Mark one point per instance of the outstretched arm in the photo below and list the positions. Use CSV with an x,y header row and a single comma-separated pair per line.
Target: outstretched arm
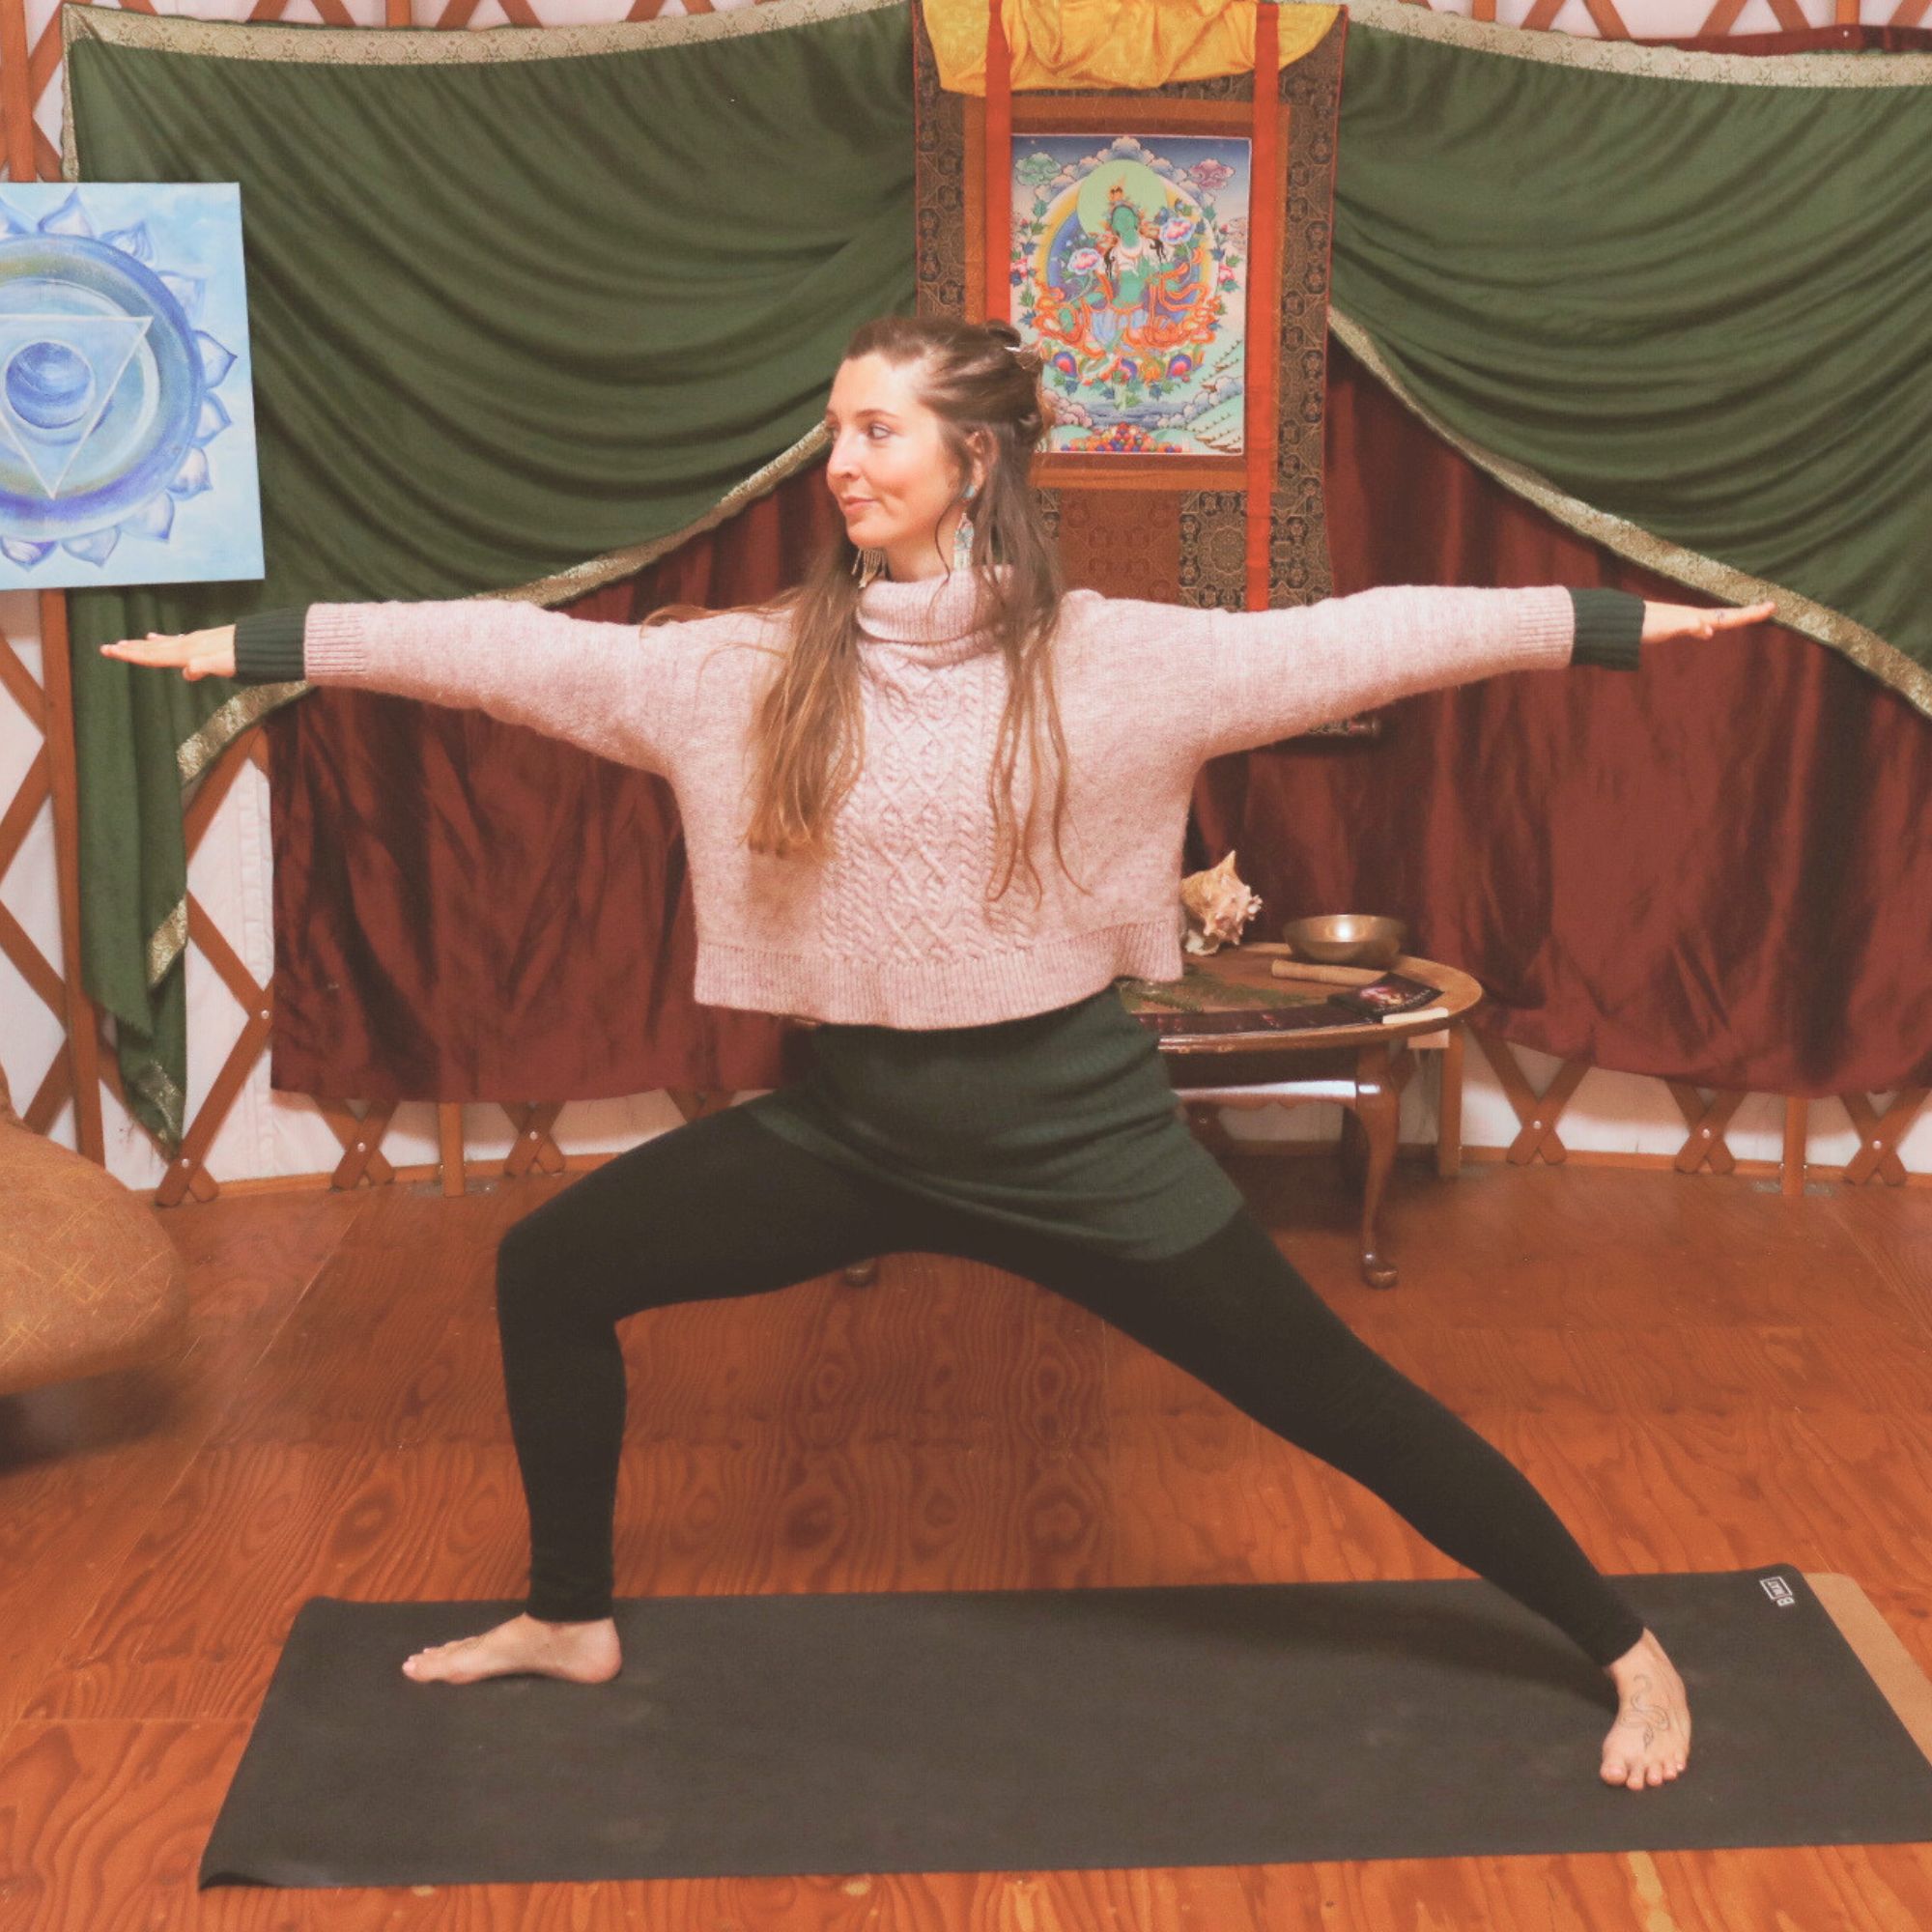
x,y
622,691
1269,675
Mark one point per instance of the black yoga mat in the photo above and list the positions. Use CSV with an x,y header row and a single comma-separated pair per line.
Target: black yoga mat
x,y
1015,1730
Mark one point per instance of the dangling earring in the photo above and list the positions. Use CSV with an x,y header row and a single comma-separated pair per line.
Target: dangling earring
x,y
866,564
962,540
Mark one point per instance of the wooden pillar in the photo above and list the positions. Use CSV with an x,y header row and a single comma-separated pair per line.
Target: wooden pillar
x,y
16,91
1449,1119
1260,418
81,1017
1791,1175
997,183
449,1143
83,1021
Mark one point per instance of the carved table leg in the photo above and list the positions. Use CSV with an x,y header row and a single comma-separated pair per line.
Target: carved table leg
x,y
1353,1148
1379,1107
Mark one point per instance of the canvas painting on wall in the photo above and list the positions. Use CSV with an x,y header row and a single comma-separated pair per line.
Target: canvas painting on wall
x,y
126,414
1129,272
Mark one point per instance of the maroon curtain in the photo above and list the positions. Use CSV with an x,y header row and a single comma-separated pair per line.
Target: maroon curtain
x,y
1718,868
468,911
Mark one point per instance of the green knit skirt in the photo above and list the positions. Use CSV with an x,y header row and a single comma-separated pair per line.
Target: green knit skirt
x,y
1063,1123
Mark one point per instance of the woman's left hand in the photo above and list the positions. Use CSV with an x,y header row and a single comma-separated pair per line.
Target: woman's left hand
x,y
1663,621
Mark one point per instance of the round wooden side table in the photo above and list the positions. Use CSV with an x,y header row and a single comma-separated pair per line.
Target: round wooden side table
x,y
1352,1065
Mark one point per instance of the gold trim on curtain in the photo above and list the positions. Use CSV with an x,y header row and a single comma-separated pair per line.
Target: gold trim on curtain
x,y
166,942
432,47
582,577
248,706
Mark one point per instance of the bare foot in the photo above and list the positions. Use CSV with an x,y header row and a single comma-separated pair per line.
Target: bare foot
x,y
577,1653
1650,1742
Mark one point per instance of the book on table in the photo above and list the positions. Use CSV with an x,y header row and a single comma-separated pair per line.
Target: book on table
x,y
1203,1003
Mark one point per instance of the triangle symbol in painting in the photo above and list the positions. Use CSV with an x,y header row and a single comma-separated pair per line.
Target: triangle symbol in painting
x,y
57,375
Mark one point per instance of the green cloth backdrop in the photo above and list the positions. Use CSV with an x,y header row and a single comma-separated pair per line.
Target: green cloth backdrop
x,y
526,308
1682,301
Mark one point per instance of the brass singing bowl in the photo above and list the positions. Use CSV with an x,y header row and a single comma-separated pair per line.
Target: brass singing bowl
x,y
1347,938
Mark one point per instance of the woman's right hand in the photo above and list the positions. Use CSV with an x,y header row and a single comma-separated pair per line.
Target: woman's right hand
x,y
193,653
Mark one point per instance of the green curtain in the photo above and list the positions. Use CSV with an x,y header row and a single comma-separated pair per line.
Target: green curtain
x,y
1682,301
526,308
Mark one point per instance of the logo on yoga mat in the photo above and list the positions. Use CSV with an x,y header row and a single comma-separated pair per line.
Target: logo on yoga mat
x,y
123,360
1778,1591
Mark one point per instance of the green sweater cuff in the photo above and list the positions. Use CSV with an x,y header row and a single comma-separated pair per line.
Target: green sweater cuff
x,y
1609,628
268,646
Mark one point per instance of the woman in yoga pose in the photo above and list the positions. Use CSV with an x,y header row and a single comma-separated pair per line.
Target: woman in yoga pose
x,y
936,805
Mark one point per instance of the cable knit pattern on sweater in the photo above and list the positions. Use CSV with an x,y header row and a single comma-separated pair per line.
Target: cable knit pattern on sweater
x,y
895,927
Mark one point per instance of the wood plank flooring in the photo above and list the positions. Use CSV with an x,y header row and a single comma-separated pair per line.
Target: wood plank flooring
x,y
1699,1373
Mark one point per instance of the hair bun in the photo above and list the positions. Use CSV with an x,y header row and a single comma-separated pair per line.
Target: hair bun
x,y
1026,359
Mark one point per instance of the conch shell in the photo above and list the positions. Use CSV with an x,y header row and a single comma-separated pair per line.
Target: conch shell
x,y
1214,906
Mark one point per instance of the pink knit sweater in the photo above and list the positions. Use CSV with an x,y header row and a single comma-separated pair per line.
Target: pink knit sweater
x,y
894,929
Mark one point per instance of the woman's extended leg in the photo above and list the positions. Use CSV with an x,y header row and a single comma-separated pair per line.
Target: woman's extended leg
x,y
1234,1313
718,1208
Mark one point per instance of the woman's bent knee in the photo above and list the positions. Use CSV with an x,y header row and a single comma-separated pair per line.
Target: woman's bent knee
x,y
521,1271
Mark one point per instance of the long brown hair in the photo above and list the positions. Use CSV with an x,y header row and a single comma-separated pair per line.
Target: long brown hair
x,y
985,389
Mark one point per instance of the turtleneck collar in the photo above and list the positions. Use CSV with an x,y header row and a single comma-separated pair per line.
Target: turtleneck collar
x,y
929,612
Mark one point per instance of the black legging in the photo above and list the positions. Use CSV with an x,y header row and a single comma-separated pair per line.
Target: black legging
x,y
721,1206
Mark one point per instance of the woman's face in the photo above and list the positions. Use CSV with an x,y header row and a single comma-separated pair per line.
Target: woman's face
x,y
895,483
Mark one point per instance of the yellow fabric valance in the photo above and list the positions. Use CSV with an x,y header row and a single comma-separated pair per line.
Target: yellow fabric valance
x,y
1114,43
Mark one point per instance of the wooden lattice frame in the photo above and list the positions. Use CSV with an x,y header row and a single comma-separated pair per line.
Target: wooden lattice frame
x,y
25,74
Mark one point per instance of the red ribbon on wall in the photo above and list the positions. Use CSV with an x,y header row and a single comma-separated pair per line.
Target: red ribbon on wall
x,y
1263,271
999,181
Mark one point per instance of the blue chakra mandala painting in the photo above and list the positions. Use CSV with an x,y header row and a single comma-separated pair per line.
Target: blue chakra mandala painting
x,y
1129,272
127,416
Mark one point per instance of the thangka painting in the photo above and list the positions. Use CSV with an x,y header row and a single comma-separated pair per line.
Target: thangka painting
x,y
1119,230
127,416
1129,276
1180,374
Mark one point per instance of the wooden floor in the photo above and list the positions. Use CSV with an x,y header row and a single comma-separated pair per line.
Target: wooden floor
x,y
1699,1373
